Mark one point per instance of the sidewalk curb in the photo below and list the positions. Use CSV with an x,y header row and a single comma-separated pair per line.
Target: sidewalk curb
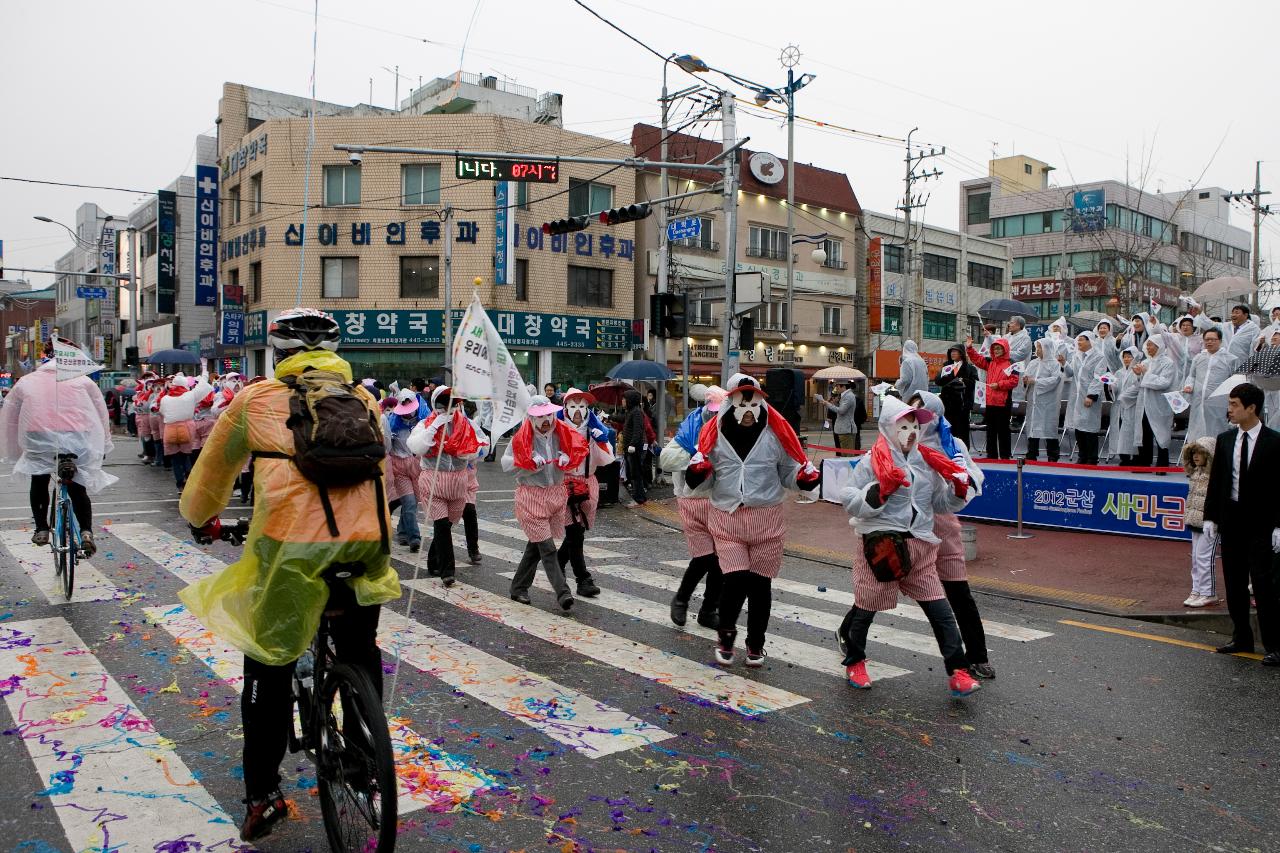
x,y
656,512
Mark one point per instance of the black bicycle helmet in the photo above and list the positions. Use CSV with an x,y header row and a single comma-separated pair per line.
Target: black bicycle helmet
x,y
304,328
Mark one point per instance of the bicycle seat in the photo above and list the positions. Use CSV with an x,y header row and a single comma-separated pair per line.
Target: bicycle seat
x,y
342,571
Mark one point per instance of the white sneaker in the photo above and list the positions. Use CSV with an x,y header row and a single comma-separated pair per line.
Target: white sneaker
x,y
1191,600
1199,601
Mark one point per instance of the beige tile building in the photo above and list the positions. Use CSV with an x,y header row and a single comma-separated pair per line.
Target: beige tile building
x,y
373,244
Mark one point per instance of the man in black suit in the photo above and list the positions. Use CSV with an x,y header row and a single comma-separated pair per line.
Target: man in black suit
x,y
1241,507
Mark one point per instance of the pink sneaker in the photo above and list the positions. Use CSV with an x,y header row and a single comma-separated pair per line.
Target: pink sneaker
x,y
856,674
962,683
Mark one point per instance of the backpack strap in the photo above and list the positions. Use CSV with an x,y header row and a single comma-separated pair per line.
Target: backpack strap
x,y
270,454
329,517
380,507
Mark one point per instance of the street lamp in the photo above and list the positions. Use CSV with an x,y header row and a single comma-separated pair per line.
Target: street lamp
x,y
97,248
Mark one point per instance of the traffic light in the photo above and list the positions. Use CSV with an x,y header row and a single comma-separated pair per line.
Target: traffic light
x,y
668,313
630,213
746,334
131,356
565,226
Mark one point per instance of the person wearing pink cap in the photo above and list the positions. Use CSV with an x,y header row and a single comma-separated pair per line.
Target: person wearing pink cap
x,y
403,469
582,486
446,443
695,507
540,453
752,456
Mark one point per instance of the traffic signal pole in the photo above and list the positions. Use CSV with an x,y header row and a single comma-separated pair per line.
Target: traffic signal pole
x,y
729,365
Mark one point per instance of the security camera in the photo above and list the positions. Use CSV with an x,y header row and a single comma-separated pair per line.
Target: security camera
x,y
355,157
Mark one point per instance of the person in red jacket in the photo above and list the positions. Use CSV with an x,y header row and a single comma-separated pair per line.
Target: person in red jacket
x,y
1002,377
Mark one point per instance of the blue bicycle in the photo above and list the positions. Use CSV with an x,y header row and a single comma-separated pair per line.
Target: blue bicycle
x,y
66,542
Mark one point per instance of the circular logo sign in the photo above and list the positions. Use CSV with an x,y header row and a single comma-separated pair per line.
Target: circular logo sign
x,y
767,168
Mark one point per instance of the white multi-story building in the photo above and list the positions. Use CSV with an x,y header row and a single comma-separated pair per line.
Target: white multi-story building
x,y
88,319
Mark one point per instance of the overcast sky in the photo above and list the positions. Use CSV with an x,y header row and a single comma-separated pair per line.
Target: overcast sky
x,y
115,93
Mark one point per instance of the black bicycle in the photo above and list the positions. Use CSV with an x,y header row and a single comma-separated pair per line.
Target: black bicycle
x,y
345,734
66,542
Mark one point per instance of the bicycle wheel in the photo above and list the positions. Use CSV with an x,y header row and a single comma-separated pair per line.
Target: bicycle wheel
x,y
66,552
356,773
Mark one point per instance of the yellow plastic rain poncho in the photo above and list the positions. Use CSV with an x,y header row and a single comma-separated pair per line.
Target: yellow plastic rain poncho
x,y
268,604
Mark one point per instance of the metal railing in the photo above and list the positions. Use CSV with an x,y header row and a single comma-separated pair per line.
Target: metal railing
x,y
836,264
698,245
766,252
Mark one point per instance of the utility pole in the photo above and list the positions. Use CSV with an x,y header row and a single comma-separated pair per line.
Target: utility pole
x,y
448,294
730,123
664,252
133,287
913,279
1260,210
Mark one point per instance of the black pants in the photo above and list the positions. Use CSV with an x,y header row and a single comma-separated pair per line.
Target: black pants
x,y
440,558
266,706
131,424
857,622
40,503
1051,448
471,528
636,476
570,552
756,591
1145,452
1087,444
968,619
1247,558
999,441
708,566
957,416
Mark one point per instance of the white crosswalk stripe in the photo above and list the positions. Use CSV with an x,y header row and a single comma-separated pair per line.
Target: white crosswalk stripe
x,y
37,561
428,776
817,658
113,781
513,531
561,713
905,610
693,679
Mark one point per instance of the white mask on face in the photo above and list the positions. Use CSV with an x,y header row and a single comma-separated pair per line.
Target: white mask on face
x,y
542,423
743,407
906,434
576,411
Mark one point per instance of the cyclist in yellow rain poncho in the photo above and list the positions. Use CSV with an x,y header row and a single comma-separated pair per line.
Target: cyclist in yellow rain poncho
x,y
269,602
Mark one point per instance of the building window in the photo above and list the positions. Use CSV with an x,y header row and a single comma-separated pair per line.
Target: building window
x,y
340,278
1026,167
522,195
233,205
893,256
939,267
700,313
419,276
939,326
892,324
985,275
771,316
589,197
835,255
522,279
233,278
341,185
420,184
255,194
978,208
767,243
831,320
255,282
150,241
590,287
703,241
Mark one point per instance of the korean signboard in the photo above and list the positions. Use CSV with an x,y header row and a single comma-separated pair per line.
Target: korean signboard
x,y
519,329
1089,210
503,198
875,261
255,328
206,289
233,328
166,252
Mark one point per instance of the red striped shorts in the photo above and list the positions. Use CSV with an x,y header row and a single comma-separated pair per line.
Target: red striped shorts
x,y
593,498
748,539
541,511
694,513
921,583
402,477
202,429
473,484
143,423
450,495
951,567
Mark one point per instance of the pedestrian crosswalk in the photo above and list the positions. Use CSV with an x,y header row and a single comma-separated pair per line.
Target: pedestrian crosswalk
x,y
79,725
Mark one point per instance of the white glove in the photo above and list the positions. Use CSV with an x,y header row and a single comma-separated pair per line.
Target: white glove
x,y
538,460
959,460
563,459
1211,530
1275,540
631,450
597,433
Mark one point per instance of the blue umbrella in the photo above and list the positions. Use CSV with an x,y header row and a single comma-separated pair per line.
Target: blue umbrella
x,y
172,356
641,369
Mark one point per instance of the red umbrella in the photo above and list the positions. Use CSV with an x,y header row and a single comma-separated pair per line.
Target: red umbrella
x,y
609,393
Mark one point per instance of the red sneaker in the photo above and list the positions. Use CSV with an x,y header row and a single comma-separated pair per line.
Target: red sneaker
x,y
962,683
856,674
263,815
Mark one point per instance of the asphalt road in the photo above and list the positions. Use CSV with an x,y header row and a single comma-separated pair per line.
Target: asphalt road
x,y
520,729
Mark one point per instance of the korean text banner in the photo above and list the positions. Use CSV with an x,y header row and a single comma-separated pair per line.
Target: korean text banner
x,y
1128,504
206,289
166,252
484,370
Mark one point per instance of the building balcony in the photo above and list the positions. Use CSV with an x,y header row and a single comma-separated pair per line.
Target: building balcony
x,y
766,252
834,332
696,245
835,264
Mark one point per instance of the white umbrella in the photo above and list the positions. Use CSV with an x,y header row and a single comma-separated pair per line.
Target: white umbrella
x,y
1223,287
839,371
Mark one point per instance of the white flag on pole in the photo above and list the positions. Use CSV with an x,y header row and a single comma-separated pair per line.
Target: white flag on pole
x,y
484,370
71,361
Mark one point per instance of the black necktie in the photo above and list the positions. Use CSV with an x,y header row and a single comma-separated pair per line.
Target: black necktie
x,y
1244,462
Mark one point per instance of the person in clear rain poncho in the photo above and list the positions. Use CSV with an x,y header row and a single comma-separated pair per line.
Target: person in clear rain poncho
x,y
1157,376
913,373
1209,369
1043,380
1085,369
1125,431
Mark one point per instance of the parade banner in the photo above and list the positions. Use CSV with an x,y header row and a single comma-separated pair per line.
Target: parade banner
x,y
71,361
484,370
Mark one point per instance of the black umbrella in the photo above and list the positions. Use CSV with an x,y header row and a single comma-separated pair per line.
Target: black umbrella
x,y
641,369
1263,368
172,356
1004,309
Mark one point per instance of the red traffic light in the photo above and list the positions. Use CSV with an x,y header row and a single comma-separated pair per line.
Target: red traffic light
x,y
629,213
565,226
